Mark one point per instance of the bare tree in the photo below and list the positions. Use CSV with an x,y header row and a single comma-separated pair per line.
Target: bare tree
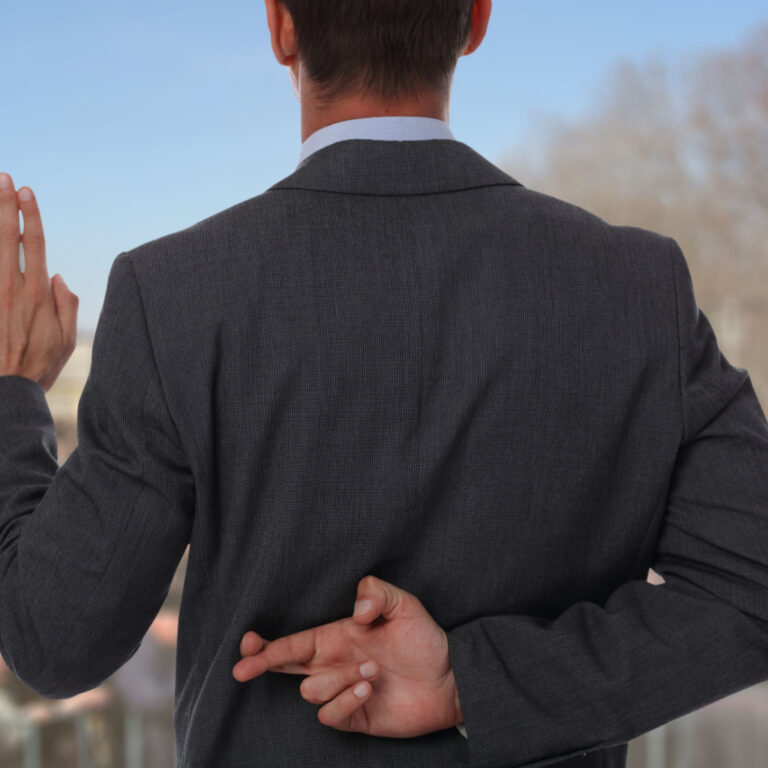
x,y
681,150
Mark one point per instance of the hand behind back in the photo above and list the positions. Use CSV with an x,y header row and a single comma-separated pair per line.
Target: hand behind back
x,y
412,691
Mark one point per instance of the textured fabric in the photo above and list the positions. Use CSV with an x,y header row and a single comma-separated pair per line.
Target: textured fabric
x,y
395,128
392,128
399,361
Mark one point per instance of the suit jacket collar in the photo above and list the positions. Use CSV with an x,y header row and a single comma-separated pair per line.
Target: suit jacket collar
x,y
376,167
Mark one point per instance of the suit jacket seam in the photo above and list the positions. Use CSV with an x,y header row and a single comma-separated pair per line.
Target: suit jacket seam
x,y
176,437
78,619
397,194
676,251
723,401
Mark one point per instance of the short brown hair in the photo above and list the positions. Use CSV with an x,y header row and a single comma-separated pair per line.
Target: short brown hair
x,y
387,48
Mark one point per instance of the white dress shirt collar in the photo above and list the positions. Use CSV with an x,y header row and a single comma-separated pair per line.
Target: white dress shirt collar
x,y
395,128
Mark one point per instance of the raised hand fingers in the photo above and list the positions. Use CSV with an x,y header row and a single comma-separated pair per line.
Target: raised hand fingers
x,y
33,238
10,271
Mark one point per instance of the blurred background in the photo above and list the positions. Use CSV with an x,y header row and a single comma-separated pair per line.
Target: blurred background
x,y
134,120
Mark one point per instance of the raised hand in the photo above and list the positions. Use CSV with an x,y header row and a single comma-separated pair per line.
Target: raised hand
x,y
411,691
38,317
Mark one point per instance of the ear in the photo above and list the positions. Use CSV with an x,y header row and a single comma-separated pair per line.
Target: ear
x,y
481,12
281,32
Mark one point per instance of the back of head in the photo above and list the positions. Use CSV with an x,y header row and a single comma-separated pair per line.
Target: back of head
x,y
385,48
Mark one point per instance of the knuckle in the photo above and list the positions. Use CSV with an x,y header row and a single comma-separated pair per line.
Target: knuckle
x,y
9,232
32,241
34,294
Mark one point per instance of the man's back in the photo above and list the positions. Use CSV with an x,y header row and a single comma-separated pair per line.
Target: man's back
x,y
396,362
400,361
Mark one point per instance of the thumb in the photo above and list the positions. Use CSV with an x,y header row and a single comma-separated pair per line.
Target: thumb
x,y
66,308
376,597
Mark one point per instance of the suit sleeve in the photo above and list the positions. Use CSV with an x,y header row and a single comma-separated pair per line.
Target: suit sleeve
x,y
535,692
88,550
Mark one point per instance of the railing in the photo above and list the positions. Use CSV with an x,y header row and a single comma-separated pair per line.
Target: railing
x,y
88,735
728,732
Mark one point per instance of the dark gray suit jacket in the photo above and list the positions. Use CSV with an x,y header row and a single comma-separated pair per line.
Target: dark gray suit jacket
x,y
399,361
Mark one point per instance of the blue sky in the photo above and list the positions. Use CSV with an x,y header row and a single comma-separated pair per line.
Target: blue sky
x,y
134,120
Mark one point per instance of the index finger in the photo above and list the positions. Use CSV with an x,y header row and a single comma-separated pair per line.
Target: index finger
x,y
289,654
33,238
10,271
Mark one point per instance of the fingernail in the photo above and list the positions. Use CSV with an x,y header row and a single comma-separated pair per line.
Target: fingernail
x,y
5,180
360,689
368,669
361,606
25,194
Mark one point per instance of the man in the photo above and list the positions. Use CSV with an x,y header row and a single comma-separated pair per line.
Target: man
x,y
399,376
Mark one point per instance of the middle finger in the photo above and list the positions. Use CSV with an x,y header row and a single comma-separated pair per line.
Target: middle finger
x,y
289,653
9,231
35,268
253,643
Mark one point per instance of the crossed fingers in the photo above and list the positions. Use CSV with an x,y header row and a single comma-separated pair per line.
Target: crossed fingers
x,y
336,685
287,654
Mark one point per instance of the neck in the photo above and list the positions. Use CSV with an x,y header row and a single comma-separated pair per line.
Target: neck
x,y
315,116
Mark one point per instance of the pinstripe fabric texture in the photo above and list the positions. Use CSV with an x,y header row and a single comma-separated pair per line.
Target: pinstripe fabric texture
x,y
400,361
